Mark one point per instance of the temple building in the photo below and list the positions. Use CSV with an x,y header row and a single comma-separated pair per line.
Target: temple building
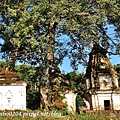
x,y
12,90
103,91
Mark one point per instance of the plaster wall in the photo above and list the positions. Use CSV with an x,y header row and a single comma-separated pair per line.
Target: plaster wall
x,y
98,101
70,98
13,97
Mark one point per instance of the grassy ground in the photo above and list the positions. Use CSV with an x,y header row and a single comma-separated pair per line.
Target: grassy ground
x,y
78,117
38,115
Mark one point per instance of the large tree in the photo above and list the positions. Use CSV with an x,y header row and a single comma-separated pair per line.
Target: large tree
x,y
32,32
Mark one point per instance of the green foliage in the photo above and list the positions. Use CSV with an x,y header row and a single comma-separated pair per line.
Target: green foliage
x,y
114,14
24,71
33,100
84,22
2,64
77,82
117,68
91,116
30,74
61,109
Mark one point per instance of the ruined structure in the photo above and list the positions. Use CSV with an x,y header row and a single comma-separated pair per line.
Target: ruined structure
x,y
70,98
62,94
12,90
101,81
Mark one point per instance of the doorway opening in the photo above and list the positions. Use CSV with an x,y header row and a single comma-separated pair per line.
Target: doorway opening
x,y
106,104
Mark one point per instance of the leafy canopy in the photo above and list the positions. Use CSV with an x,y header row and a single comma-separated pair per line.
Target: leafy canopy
x,y
26,25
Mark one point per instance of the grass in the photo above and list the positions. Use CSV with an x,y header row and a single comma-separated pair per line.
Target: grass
x,y
35,115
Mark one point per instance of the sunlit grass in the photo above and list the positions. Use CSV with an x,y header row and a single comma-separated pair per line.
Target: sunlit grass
x,y
81,116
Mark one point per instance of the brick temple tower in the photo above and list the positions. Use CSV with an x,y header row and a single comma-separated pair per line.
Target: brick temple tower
x,y
103,91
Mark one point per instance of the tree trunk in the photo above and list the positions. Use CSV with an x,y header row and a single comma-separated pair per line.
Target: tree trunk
x,y
45,86
13,56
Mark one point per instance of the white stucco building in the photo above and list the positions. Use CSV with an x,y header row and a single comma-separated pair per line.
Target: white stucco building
x,y
12,90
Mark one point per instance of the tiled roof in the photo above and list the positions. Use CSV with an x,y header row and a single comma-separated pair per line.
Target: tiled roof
x,y
8,76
